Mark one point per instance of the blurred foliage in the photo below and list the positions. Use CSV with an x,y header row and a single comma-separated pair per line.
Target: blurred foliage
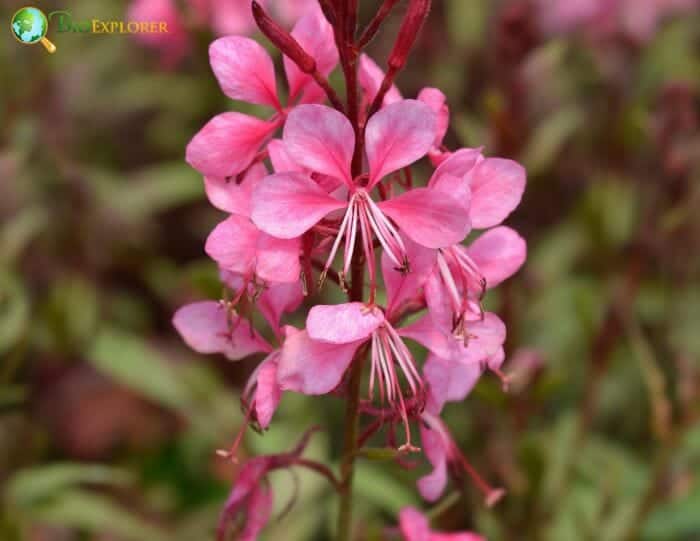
x,y
108,423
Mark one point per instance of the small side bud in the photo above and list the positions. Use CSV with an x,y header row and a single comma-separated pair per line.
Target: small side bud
x,y
410,28
283,40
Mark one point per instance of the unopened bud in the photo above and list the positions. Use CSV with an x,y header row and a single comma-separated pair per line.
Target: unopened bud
x,y
410,27
283,40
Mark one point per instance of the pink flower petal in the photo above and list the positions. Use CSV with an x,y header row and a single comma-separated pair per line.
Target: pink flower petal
x,y
425,332
498,253
320,139
437,101
232,195
404,287
233,244
259,510
450,176
370,77
450,380
267,391
432,486
497,186
286,205
431,218
277,260
413,525
204,326
486,337
398,135
244,70
279,299
311,367
439,305
227,144
282,162
315,34
343,323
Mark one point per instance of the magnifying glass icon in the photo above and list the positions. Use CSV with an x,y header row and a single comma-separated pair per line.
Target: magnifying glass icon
x,y
29,26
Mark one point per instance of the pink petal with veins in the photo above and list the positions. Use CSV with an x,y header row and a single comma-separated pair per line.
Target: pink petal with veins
x,y
227,144
311,367
233,195
320,139
205,327
498,253
396,136
431,218
497,185
244,70
286,205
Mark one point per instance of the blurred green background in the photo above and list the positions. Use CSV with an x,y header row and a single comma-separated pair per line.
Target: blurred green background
x,y
108,423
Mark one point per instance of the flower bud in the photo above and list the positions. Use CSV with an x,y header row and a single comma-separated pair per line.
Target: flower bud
x,y
283,40
410,27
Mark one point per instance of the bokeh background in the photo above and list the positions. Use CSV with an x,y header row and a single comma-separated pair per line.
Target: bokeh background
x,y
108,423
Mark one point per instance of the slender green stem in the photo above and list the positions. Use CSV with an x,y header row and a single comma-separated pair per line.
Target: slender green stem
x,y
352,418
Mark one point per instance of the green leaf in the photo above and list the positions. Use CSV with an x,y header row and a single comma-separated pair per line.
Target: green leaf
x,y
32,485
17,232
393,495
96,513
14,311
148,191
130,361
678,519
549,138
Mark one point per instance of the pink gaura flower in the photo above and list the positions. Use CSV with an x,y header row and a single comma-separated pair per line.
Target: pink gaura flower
x,y
215,327
314,361
446,458
231,141
489,189
370,77
251,496
320,139
453,367
414,526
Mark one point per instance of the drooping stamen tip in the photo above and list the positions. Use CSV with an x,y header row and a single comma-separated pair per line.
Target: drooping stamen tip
x,y
505,379
494,496
342,283
227,455
304,283
407,448
322,278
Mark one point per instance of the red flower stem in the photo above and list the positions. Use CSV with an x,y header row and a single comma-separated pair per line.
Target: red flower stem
x,y
352,407
408,32
371,29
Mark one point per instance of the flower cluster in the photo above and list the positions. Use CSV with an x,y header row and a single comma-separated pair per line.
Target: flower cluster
x,y
336,199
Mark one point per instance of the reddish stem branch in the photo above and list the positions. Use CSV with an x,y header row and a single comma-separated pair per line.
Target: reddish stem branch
x,y
371,29
321,469
291,48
